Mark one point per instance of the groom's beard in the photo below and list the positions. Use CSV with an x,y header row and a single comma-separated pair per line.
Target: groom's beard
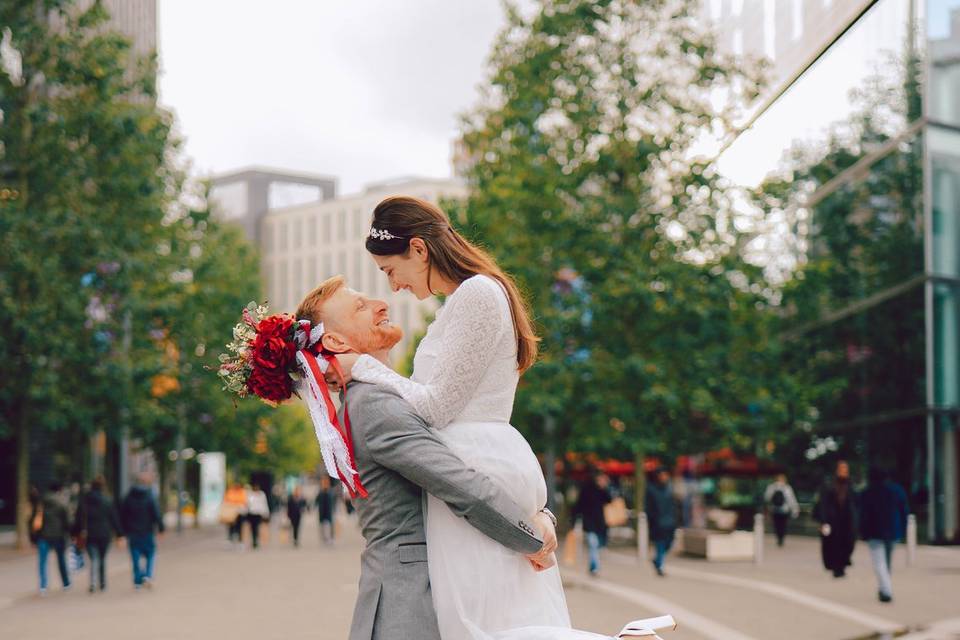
x,y
379,339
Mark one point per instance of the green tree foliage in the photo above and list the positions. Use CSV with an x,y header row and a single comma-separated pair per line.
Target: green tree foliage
x,y
587,189
116,287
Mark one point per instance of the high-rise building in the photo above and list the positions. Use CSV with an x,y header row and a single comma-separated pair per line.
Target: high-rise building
x,y
307,234
862,118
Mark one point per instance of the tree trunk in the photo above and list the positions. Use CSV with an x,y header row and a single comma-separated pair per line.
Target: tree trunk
x,y
23,480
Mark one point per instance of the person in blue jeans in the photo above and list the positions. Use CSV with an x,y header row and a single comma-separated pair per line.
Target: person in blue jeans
x,y
594,495
51,533
661,516
140,518
883,515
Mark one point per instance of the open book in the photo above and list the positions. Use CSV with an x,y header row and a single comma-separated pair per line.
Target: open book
x,y
647,627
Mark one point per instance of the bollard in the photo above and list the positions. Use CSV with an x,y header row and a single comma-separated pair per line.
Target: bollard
x,y
911,539
643,537
757,538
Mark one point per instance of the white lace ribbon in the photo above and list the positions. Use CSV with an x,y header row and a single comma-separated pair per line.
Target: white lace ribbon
x,y
336,457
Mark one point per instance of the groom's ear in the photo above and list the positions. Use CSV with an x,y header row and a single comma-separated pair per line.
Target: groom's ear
x,y
334,342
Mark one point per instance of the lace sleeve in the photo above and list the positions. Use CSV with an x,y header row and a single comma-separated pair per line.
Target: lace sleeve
x,y
475,323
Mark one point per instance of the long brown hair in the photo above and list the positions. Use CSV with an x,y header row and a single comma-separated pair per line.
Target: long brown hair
x,y
453,256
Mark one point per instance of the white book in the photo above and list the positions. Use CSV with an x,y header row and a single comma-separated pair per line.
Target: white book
x,y
647,627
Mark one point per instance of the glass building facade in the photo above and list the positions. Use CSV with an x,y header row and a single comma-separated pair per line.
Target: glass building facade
x,y
855,150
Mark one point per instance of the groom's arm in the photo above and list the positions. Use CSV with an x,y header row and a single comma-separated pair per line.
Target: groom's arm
x,y
399,439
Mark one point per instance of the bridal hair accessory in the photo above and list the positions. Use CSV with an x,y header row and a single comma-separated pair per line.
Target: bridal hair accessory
x,y
275,357
382,234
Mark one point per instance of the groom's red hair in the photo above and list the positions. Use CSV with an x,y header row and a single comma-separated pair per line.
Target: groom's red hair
x,y
311,307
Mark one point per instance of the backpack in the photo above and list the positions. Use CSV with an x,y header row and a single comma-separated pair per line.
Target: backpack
x,y
778,499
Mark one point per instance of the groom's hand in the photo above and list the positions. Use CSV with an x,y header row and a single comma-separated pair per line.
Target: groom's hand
x,y
544,559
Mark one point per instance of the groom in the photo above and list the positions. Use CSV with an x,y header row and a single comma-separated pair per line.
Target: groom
x,y
399,458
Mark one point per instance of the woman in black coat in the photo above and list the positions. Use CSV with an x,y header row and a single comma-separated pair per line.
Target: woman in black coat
x,y
97,522
836,510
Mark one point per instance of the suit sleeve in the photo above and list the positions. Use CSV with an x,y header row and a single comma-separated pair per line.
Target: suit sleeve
x,y
398,439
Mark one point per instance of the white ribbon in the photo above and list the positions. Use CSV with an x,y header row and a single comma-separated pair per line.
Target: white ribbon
x,y
332,446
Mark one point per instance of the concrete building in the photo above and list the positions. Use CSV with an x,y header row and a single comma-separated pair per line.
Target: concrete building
x,y
307,234
875,82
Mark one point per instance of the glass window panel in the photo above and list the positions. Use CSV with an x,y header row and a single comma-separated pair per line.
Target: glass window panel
x,y
867,364
860,73
945,193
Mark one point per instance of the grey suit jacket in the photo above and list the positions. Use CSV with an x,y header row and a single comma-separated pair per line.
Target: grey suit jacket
x,y
398,458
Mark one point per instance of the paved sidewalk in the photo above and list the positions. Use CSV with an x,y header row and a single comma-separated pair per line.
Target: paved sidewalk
x,y
789,595
206,590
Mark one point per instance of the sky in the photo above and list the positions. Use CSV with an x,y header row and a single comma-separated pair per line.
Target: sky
x,y
362,90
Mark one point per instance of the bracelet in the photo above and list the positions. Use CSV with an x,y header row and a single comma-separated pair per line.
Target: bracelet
x,y
550,515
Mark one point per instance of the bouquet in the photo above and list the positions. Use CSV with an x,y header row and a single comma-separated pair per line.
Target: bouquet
x,y
275,357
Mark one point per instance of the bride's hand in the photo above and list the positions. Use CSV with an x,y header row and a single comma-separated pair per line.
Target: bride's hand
x,y
346,362
544,559
543,565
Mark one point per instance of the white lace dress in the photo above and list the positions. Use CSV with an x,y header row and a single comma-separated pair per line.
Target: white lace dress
x,y
464,380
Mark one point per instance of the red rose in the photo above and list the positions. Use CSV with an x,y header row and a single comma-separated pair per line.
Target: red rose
x,y
271,385
273,348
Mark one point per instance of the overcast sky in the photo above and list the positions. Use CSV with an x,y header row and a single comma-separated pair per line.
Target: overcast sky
x,y
363,90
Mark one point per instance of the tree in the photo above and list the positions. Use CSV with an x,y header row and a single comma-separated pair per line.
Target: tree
x,y
83,160
587,188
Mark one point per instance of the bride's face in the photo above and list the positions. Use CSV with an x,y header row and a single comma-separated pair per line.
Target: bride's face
x,y
407,272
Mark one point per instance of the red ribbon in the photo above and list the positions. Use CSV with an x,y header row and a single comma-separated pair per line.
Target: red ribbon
x,y
344,430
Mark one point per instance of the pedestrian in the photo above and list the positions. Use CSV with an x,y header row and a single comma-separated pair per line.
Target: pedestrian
x,y
326,502
593,497
882,517
50,526
782,505
140,518
296,505
95,525
233,511
661,516
837,514
901,513
258,510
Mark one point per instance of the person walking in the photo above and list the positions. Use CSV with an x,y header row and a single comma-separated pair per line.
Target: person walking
x,y
50,525
233,513
661,516
140,517
296,505
95,525
901,513
258,510
326,502
782,505
594,496
882,517
837,514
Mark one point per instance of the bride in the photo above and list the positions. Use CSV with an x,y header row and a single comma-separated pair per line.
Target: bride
x,y
464,379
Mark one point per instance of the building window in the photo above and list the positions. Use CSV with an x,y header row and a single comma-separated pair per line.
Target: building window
x,y
312,231
373,278
358,223
327,231
358,271
283,236
327,265
297,233
312,272
342,263
342,225
298,277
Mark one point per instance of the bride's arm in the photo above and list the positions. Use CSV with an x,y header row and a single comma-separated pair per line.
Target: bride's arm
x,y
475,324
